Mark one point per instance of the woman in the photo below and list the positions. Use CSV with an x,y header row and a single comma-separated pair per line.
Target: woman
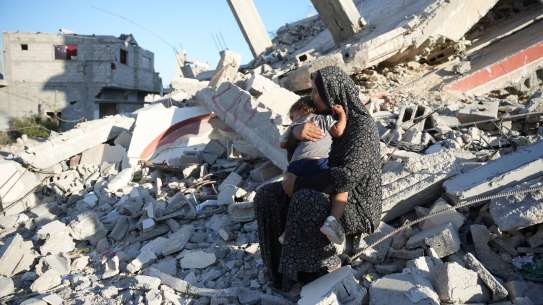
x,y
355,170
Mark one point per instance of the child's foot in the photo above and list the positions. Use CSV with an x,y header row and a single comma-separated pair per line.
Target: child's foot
x,y
281,238
333,230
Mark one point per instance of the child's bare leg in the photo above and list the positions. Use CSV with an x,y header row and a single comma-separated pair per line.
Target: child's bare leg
x,y
288,183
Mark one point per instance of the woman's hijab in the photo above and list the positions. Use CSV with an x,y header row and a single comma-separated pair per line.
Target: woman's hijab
x,y
336,87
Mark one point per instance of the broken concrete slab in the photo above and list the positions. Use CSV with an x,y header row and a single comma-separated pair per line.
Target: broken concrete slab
x,y
498,291
173,282
104,153
339,286
88,227
418,181
377,254
406,288
6,286
492,261
242,211
50,279
121,180
227,68
241,112
445,242
478,111
521,165
454,217
60,262
270,95
519,211
197,259
145,282
457,284
16,183
212,151
64,145
178,130
399,30
178,240
111,267
16,255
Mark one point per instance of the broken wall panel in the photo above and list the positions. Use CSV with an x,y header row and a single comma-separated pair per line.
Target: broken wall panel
x,y
237,108
86,135
524,164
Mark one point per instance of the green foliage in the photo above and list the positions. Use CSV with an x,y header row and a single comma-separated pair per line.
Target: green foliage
x,y
33,127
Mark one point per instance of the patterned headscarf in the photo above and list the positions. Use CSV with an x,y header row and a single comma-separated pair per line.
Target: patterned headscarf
x,y
336,87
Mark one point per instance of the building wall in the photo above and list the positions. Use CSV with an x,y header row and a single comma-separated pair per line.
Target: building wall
x,y
39,83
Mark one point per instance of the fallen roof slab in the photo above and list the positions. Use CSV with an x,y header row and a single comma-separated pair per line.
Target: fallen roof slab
x,y
418,181
511,169
394,28
86,135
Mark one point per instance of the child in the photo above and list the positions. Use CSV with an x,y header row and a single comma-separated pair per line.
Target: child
x,y
310,158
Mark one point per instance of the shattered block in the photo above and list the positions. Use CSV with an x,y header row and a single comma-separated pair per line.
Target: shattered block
x,y
16,255
521,165
457,284
255,123
339,285
418,181
379,252
15,183
453,216
498,291
519,211
227,68
406,288
85,135
445,242
87,226
479,111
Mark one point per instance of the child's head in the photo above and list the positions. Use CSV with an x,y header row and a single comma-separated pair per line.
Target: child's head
x,y
301,108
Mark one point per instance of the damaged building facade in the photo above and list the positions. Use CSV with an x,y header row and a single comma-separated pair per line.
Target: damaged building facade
x,y
75,77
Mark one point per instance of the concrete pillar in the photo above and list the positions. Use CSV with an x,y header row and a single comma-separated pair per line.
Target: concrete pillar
x,y
251,25
341,17
180,58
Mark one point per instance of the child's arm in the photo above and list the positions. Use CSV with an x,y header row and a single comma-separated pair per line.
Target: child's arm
x,y
339,201
339,127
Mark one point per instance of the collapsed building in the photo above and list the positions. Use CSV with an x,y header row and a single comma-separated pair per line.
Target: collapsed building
x,y
75,77
130,209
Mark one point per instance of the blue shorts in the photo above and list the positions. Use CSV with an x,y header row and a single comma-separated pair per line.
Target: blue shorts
x,y
307,167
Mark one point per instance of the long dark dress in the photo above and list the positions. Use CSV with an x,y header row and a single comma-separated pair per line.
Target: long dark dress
x,y
355,167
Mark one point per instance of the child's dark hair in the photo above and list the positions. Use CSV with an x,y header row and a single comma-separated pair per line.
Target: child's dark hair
x,y
305,104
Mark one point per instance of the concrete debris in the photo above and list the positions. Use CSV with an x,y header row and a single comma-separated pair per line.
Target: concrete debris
x,y
87,226
338,287
50,279
498,291
402,288
134,209
197,259
521,210
456,284
494,176
6,286
87,135
16,255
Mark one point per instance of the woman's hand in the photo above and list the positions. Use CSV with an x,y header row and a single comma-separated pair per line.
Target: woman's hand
x,y
307,132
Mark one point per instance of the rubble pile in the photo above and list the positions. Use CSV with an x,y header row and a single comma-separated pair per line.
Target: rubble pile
x,y
156,206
